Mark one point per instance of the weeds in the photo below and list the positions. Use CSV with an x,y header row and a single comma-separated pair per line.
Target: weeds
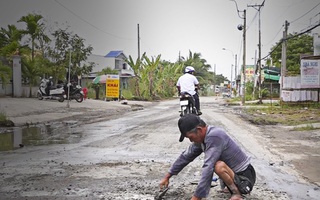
x,y
283,115
309,127
3,117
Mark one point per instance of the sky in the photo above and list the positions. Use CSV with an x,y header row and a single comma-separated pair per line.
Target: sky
x,y
173,27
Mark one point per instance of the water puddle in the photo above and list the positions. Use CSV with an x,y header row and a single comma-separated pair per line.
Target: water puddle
x,y
18,137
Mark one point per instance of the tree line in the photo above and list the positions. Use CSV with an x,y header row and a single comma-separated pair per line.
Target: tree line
x,y
48,53
42,53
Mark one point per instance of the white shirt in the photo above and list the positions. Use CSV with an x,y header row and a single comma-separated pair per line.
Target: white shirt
x,y
187,83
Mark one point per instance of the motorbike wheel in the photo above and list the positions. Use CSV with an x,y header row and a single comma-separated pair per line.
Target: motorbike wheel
x,y
183,111
79,98
194,111
39,96
61,98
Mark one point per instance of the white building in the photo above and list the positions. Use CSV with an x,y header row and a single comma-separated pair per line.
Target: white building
x,y
115,60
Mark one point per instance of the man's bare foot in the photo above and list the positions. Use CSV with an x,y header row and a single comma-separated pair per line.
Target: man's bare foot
x,y
224,190
236,197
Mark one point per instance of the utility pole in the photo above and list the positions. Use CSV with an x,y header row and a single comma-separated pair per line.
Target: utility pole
x,y
235,66
68,102
231,67
284,55
244,59
258,8
235,73
138,43
243,28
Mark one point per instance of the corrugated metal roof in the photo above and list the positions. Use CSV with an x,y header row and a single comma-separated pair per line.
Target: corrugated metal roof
x,y
271,77
114,54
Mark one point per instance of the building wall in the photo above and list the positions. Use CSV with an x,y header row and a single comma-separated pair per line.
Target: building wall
x,y
101,63
25,90
293,92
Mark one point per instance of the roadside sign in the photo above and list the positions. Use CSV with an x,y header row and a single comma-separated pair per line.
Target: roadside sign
x,y
112,86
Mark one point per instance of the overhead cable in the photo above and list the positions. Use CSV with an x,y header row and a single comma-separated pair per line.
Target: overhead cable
x,y
89,22
291,37
304,14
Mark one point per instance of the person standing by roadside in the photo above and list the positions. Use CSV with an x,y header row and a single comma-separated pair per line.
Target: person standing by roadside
x,y
190,84
222,156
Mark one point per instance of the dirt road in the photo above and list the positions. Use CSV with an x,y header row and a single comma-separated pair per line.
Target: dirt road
x,y
124,155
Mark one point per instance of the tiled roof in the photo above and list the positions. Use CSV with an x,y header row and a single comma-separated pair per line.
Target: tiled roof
x,y
113,54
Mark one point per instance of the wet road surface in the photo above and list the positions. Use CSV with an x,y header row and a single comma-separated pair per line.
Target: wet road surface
x,y
126,156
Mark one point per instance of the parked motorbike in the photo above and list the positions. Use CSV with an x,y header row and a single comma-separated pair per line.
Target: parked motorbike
x,y
75,92
48,91
187,104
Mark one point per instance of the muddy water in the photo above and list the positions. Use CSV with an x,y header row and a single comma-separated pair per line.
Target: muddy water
x,y
37,135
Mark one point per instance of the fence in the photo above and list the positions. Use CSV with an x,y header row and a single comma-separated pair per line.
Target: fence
x,y
8,91
292,91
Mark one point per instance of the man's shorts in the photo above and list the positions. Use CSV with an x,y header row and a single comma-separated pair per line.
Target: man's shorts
x,y
245,180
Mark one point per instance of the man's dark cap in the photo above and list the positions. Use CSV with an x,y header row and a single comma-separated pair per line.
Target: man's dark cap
x,y
186,123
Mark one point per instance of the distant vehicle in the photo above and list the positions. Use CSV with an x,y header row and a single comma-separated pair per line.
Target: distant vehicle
x,y
76,92
226,94
48,91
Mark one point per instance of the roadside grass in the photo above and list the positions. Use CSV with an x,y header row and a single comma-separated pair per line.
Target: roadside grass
x,y
286,115
3,117
308,127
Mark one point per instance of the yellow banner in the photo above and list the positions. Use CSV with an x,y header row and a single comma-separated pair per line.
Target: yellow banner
x,y
112,86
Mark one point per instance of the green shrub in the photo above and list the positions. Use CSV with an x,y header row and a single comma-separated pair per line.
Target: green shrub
x,y
127,94
3,116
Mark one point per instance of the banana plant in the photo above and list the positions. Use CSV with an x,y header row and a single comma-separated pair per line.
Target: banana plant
x,y
136,67
150,73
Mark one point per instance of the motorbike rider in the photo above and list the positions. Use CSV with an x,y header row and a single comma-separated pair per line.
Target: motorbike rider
x,y
190,84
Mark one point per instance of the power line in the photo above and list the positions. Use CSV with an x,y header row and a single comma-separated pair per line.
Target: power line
x,y
304,14
291,37
274,36
252,20
293,22
79,17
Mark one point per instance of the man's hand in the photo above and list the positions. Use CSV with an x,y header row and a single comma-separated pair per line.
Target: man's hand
x,y
195,198
164,183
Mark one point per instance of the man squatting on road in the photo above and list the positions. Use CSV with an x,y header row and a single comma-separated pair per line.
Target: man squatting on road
x,y
222,156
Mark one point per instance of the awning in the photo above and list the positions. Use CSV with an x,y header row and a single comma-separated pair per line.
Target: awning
x,y
100,79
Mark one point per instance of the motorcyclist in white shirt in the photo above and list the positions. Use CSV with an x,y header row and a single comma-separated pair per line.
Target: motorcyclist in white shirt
x,y
190,84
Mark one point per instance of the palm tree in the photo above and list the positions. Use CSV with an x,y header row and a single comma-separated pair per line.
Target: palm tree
x,y
31,71
35,29
9,41
202,69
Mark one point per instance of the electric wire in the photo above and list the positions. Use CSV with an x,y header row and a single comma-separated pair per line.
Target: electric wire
x,y
274,36
304,14
291,37
255,16
79,17
297,34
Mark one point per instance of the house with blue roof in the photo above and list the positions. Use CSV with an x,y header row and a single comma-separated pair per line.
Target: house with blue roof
x,y
115,60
